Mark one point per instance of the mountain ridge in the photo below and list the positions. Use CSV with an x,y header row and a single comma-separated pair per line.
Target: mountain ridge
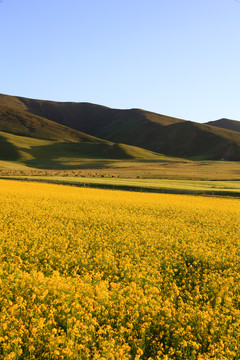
x,y
225,123
136,127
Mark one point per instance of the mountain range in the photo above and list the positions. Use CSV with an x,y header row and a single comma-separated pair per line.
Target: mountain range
x,y
36,130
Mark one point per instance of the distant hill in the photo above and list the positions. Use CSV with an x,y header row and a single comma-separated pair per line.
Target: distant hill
x,y
37,141
233,125
90,118
144,129
23,123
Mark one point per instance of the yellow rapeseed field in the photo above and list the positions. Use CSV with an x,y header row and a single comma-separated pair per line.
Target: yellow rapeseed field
x,y
96,274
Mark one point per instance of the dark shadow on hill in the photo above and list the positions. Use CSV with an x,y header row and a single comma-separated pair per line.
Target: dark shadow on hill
x,y
8,151
57,155
197,142
128,126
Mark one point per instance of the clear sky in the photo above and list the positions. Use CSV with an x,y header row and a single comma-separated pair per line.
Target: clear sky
x,y
175,57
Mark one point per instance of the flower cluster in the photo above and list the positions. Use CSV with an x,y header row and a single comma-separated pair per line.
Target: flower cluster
x,y
97,274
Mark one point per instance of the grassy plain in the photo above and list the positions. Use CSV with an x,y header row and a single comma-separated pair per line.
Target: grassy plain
x,y
195,187
98,274
163,167
177,176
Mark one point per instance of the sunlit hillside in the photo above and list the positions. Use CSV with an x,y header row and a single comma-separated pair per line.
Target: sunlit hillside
x,y
40,153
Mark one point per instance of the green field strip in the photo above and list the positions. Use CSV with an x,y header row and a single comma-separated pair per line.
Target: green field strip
x,y
215,188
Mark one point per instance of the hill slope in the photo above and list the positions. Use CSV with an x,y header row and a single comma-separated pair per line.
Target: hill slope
x,y
158,133
64,154
233,125
89,118
23,123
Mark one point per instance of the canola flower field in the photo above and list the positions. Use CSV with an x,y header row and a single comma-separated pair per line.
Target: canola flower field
x,y
99,274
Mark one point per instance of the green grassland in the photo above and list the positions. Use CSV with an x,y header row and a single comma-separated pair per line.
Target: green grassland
x,y
162,168
59,154
194,187
130,168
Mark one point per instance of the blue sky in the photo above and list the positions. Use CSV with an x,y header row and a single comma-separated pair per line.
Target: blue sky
x,y
175,57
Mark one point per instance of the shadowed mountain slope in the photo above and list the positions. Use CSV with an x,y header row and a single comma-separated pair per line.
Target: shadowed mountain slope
x,y
26,124
88,117
233,125
200,141
158,133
